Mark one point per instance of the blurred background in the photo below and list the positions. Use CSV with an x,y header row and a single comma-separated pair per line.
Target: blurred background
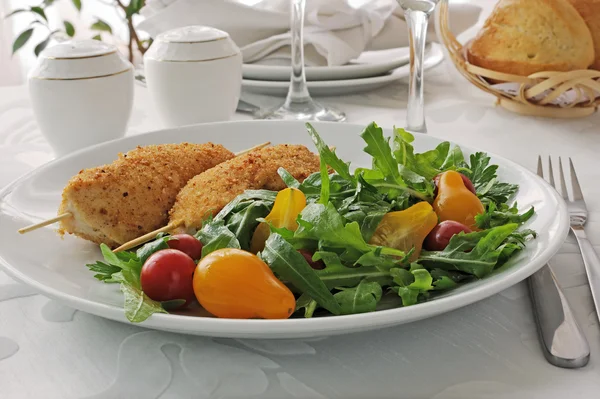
x,y
88,18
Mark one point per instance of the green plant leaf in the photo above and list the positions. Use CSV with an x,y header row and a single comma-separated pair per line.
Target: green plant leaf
x,y
215,235
39,11
69,28
104,271
15,12
41,46
97,37
290,265
160,243
474,253
360,299
379,148
288,179
77,4
138,306
134,7
21,40
308,304
329,156
495,215
101,26
244,219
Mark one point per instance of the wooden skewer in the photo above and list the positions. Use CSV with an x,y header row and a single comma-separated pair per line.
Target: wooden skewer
x,y
152,234
45,223
147,237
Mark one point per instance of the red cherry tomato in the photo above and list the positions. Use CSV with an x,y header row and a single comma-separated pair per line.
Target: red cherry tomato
x,y
439,237
168,275
318,265
466,181
187,244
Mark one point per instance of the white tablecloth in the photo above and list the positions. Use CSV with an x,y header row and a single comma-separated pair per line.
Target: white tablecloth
x,y
486,350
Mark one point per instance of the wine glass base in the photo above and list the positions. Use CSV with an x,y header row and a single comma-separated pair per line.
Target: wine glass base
x,y
306,111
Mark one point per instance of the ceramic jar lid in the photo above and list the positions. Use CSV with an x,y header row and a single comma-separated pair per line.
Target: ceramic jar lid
x,y
79,59
192,43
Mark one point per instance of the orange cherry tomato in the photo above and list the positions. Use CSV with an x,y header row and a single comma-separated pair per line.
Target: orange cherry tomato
x,y
288,205
236,284
406,229
455,202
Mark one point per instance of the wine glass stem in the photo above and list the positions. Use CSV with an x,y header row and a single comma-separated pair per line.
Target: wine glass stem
x,y
417,23
298,92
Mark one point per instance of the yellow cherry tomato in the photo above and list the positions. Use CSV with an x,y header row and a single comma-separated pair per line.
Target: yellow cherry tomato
x,y
406,229
235,284
288,205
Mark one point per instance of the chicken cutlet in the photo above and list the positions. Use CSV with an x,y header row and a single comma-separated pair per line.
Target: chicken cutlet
x,y
210,191
116,203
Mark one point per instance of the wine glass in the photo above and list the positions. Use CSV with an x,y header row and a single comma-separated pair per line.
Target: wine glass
x,y
416,13
298,104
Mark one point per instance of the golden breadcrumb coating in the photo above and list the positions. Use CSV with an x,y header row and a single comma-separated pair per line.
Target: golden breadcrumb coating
x,y
116,203
210,191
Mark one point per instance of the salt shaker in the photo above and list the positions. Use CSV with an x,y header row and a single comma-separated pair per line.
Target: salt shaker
x,y
82,94
194,75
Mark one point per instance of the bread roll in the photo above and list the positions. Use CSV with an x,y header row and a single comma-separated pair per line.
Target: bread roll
x,y
590,11
522,37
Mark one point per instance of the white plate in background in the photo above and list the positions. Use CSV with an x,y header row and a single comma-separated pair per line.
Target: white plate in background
x,y
342,87
368,64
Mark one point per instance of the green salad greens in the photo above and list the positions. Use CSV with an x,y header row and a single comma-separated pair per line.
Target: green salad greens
x,y
344,208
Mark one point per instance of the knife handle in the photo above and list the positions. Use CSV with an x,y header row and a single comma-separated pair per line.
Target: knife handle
x,y
563,342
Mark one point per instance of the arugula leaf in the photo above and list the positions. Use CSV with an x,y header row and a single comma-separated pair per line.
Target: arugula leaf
x,y
124,260
324,223
324,199
336,274
447,279
360,299
329,156
262,195
454,160
243,220
494,216
379,148
483,177
215,235
288,179
307,303
148,249
291,266
103,271
366,207
485,249
138,306
411,284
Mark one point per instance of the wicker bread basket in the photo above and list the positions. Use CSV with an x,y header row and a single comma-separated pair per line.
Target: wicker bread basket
x,y
536,92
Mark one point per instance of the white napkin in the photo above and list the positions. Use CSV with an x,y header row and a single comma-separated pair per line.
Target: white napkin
x,y
335,31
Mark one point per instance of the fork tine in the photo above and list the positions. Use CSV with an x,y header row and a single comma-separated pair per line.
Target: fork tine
x,y
540,169
551,172
563,185
577,194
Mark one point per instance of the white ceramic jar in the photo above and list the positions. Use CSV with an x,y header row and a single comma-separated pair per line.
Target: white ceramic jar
x,y
82,94
194,75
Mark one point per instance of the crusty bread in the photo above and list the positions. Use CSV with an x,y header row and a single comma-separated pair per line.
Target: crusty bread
x,y
590,11
522,37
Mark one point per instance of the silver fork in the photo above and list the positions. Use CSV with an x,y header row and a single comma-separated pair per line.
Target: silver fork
x,y
578,215
563,342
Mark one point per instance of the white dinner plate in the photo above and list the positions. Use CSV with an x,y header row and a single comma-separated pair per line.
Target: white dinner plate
x,y
369,63
56,267
345,86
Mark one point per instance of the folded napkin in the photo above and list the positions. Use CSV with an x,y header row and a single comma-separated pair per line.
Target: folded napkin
x,y
336,31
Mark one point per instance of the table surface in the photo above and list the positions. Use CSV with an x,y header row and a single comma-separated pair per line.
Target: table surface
x,y
486,350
